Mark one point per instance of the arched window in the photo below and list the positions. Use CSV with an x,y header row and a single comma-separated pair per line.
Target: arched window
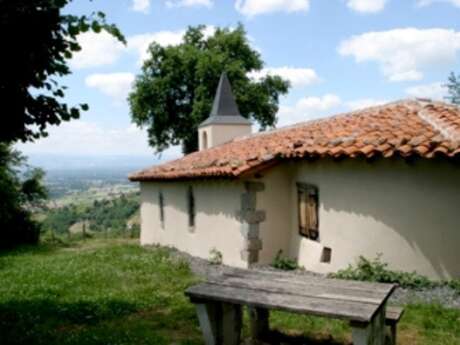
x,y
191,207
205,140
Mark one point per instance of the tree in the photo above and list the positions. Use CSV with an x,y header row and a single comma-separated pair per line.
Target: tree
x,y
174,92
17,199
38,41
453,88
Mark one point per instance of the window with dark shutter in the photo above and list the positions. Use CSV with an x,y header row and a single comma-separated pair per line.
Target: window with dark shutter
x,y
191,207
308,210
161,207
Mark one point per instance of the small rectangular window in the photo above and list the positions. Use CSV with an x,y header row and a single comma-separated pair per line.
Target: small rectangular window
x,y
191,207
161,208
326,255
308,210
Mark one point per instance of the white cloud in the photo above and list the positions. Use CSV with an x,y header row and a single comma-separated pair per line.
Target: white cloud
x,y
435,91
252,8
430,2
87,138
296,76
366,6
103,49
364,103
140,43
189,3
96,50
141,6
115,85
402,53
308,108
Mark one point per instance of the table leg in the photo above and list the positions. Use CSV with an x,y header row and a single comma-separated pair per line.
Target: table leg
x,y
208,316
391,334
220,323
372,333
232,320
258,323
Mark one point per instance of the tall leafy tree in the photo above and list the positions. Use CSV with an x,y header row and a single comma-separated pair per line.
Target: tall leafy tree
x,y
38,39
18,196
174,92
453,88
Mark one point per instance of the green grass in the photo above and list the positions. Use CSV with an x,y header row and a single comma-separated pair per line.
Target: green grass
x,y
99,292
111,291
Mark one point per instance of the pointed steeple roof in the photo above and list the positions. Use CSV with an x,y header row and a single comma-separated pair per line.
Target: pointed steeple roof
x,y
224,108
224,101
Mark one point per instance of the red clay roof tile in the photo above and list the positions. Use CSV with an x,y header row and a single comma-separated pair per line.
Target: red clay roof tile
x,y
408,128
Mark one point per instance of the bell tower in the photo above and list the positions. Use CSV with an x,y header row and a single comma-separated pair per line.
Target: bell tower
x,y
225,121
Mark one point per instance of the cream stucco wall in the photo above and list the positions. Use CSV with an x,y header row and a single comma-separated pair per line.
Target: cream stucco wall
x,y
217,134
216,224
407,212
276,202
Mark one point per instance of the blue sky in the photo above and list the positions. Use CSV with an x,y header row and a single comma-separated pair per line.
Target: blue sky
x,y
339,55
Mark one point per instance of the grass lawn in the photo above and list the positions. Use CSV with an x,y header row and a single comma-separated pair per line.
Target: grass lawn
x,y
114,292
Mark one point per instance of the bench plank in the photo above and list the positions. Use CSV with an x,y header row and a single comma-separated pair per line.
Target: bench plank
x,y
358,286
322,290
393,314
348,310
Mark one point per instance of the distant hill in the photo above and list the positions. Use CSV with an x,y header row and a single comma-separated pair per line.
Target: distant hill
x,y
59,162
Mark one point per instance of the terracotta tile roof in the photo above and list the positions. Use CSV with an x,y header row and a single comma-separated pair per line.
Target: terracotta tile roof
x,y
408,128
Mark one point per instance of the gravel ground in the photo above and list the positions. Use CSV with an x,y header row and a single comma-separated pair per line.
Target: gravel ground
x,y
442,295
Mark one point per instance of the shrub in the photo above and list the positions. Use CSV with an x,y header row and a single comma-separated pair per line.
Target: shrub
x,y
376,270
454,284
284,263
215,257
20,193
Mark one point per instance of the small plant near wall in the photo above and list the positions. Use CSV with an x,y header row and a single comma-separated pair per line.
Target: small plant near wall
x,y
284,263
375,270
454,284
215,257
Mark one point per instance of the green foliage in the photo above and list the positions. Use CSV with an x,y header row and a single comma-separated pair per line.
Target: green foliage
x,y
61,219
40,41
111,215
135,231
215,257
284,263
377,271
454,284
174,92
102,216
453,88
18,195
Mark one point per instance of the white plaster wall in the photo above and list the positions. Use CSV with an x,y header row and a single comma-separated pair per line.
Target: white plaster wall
x,y
407,212
276,202
216,223
219,134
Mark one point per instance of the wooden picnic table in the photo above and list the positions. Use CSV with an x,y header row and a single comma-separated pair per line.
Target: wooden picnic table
x,y
219,303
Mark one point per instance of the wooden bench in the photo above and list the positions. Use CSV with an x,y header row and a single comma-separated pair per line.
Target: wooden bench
x,y
392,317
219,304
